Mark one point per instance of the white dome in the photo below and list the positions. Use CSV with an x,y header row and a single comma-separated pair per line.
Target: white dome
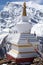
x,y
23,27
38,29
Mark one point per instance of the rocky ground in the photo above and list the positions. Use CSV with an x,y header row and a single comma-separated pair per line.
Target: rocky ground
x,y
36,61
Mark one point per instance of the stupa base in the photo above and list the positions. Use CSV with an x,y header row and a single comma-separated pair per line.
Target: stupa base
x,y
20,60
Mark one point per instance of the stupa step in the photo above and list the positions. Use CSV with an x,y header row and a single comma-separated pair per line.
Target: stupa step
x,y
23,55
24,49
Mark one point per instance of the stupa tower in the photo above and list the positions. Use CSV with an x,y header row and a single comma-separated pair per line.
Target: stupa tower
x,y
24,13
24,9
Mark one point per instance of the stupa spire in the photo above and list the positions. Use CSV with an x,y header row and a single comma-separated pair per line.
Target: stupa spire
x,y
24,9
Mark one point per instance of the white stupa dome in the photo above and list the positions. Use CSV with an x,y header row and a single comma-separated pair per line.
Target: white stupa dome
x,y
37,29
23,27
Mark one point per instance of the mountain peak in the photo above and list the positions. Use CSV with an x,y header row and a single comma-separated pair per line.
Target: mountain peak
x,y
12,11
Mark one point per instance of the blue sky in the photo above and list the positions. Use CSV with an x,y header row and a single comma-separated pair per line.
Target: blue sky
x,y
3,2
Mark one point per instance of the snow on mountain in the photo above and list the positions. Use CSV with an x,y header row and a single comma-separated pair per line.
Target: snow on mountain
x,y
38,29
11,13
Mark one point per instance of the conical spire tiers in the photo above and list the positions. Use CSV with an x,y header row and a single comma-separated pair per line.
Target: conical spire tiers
x,y
24,9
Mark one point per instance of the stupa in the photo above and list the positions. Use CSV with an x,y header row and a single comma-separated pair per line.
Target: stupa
x,y
19,44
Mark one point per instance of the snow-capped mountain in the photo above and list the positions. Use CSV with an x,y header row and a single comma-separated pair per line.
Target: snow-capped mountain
x,y
38,29
11,13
